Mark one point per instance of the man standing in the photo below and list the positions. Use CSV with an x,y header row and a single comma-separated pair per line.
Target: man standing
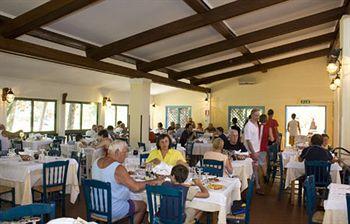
x,y
294,129
252,143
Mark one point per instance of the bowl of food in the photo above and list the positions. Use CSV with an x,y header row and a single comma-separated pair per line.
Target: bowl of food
x,y
214,186
25,157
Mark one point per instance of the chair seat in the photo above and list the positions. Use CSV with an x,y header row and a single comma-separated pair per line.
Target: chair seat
x,y
101,218
48,190
4,189
236,217
318,217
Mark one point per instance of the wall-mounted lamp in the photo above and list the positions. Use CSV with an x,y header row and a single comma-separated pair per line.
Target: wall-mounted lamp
x,y
333,86
153,105
206,97
333,68
107,101
8,95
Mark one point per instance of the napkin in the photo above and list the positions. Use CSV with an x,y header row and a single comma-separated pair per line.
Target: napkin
x,y
162,169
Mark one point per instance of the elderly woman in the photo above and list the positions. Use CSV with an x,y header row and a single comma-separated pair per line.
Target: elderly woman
x,y
164,153
110,169
216,154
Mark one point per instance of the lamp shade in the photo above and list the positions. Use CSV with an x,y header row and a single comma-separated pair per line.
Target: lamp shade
x,y
337,80
109,102
333,86
10,96
332,68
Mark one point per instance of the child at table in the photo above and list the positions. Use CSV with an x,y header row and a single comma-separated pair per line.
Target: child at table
x,y
179,174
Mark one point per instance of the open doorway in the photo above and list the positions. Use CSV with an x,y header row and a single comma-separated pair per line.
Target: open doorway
x,y
312,119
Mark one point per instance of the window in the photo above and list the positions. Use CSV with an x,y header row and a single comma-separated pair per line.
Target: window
x,y
177,114
115,113
81,115
31,115
312,119
241,113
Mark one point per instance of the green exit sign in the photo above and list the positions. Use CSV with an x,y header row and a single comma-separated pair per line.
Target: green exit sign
x,y
305,101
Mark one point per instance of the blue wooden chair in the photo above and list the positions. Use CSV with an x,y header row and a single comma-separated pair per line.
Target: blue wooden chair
x,y
282,177
56,144
243,215
54,183
17,145
348,205
33,210
143,157
7,190
142,145
321,171
213,167
166,204
272,162
98,197
310,193
54,152
189,152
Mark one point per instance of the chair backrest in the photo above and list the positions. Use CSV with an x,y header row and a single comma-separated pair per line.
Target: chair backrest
x,y
310,193
189,148
348,205
143,157
173,145
32,210
54,152
17,145
166,204
62,139
249,199
55,174
280,157
272,152
143,145
213,167
199,134
98,198
78,158
321,171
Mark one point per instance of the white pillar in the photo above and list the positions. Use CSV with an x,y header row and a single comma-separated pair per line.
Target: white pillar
x,y
61,118
345,86
139,110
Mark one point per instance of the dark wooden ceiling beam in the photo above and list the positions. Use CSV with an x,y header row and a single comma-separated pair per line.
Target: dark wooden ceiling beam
x,y
52,55
260,55
268,65
41,15
220,13
57,38
270,32
201,7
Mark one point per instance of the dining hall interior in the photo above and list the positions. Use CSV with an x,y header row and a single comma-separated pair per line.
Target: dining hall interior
x,y
175,111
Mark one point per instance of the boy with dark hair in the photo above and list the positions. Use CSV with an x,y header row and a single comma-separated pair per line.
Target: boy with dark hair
x,y
179,175
315,152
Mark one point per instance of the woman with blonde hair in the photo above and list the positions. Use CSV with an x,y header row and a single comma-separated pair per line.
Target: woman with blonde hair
x,y
217,154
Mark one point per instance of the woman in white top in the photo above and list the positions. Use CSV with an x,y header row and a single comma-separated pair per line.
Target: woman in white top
x,y
293,129
216,154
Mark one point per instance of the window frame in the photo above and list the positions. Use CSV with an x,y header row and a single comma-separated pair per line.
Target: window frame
x,y
240,107
116,114
81,114
32,113
172,107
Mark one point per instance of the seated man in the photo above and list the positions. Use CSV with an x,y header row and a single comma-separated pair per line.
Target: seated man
x,y
316,152
179,174
187,135
233,143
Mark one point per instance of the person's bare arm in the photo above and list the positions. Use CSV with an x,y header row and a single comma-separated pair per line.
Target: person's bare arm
x,y
300,159
203,193
122,177
288,129
228,165
299,128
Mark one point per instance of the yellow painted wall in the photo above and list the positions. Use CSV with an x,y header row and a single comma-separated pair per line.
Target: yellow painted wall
x,y
285,85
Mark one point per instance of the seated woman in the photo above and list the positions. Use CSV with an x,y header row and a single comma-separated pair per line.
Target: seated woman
x,y
80,142
164,153
103,143
110,169
216,154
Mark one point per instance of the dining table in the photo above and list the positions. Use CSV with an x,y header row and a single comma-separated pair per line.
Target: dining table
x,y
36,145
23,175
243,169
336,210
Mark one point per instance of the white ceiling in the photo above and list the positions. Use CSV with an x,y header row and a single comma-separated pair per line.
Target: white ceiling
x,y
111,20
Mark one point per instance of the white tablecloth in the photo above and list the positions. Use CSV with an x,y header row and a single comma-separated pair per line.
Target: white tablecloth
x,y
335,207
288,154
296,169
218,200
23,175
243,169
37,144
201,148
